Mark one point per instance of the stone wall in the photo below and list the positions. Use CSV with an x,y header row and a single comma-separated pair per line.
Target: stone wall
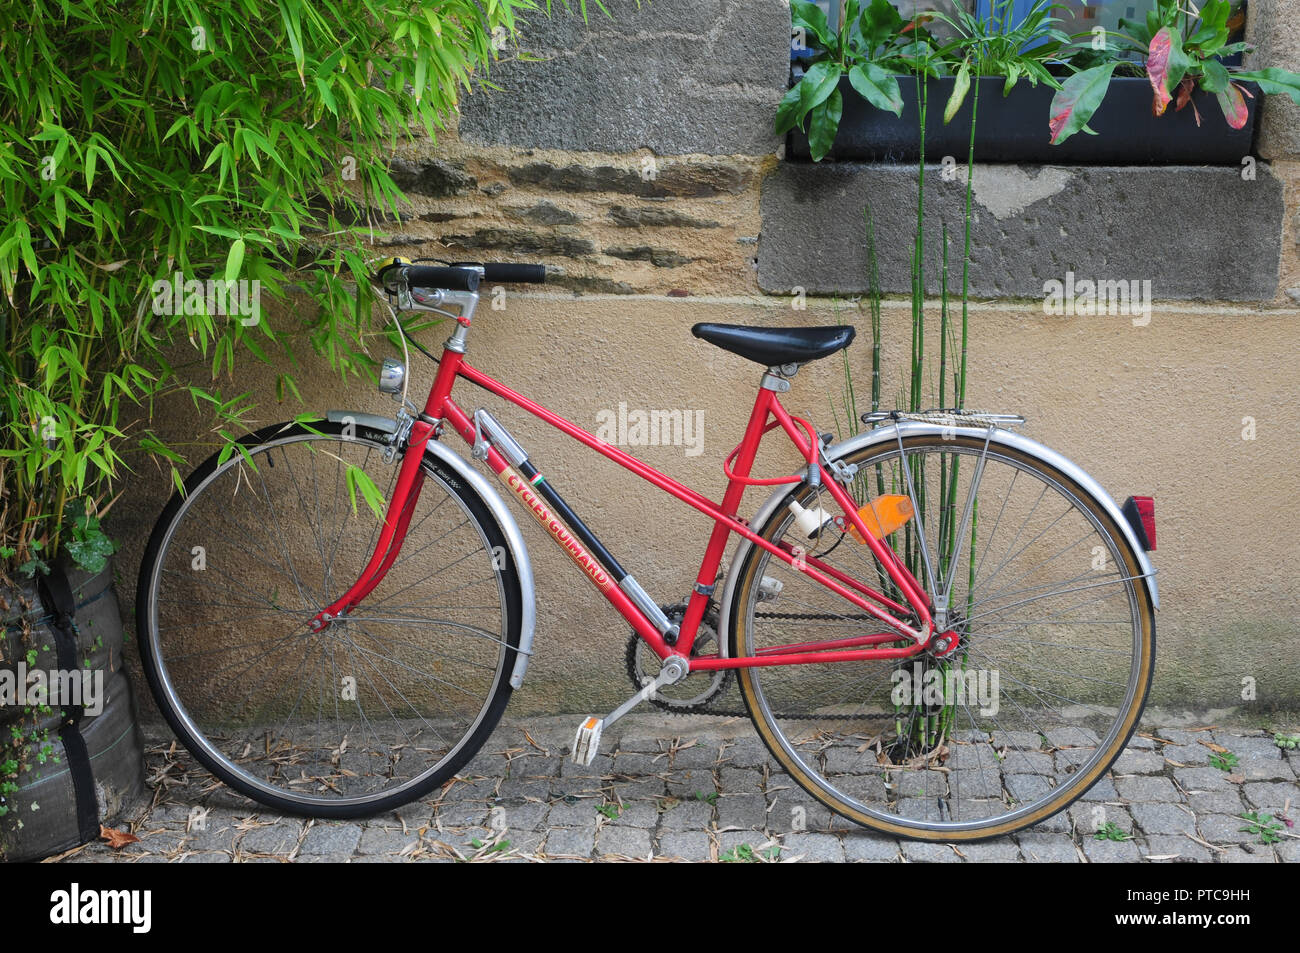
x,y
622,224
636,156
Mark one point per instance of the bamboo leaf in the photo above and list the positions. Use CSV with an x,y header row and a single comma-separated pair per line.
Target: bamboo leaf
x,y
235,259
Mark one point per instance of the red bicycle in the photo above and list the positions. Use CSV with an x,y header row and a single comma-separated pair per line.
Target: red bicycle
x,y
940,628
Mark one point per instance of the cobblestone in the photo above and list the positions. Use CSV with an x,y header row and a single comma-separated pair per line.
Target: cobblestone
x,y
814,848
627,841
706,793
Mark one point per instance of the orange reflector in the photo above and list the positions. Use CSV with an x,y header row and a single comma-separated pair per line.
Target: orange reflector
x,y
882,516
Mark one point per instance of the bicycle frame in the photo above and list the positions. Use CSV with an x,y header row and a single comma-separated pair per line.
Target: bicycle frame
x,y
767,413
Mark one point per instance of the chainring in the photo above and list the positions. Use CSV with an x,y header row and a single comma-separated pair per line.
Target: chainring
x,y
693,694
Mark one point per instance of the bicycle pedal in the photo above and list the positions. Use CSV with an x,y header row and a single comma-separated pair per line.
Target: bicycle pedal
x,y
586,743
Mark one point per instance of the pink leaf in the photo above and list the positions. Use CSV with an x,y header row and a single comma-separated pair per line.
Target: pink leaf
x,y
1158,69
1234,106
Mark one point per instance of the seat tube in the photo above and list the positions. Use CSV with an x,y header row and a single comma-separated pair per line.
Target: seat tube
x,y
706,580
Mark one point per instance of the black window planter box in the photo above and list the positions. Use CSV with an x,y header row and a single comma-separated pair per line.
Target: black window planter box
x,y
1014,128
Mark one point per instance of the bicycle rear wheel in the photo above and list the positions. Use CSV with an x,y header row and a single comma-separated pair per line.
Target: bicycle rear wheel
x,y
381,706
1056,651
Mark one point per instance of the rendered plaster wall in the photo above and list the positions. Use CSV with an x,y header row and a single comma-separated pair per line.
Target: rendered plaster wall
x,y
637,161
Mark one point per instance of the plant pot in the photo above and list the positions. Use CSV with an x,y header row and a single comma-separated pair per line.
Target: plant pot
x,y
92,769
1014,128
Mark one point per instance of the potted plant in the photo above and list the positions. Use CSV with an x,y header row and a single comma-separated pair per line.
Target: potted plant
x,y
1067,79
1003,64
71,755
1179,54
866,55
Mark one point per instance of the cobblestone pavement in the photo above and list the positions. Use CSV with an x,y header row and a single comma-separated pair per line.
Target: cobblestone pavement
x,y
704,789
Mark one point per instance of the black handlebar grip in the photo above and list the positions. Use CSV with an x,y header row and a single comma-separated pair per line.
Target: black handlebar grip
x,y
505,271
428,276
437,276
509,272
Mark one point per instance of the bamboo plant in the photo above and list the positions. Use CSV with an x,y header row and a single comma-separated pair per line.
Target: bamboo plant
x,y
238,143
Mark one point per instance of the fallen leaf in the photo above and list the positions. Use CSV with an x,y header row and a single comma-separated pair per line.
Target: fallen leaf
x,y
1218,749
1236,779
1163,741
117,839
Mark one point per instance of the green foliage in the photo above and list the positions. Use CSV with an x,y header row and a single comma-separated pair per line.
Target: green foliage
x,y
991,46
918,728
145,139
88,546
875,45
1264,826
1223,760
1285,741
871,47
1112,832
374,497
745,854
1179,49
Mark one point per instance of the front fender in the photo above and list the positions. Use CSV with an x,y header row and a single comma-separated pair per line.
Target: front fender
x,y
500,512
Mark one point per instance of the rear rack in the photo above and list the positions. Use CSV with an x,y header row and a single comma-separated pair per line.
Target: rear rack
x,y
945,418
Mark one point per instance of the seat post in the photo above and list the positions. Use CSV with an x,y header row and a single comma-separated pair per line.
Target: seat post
x,y
777,377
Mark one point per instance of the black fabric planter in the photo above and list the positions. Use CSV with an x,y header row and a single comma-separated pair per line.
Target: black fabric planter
x,y
94,764
1014,128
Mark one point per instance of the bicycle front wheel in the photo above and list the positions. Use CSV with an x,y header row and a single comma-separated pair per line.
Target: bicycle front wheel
x,y
1055,653
381,706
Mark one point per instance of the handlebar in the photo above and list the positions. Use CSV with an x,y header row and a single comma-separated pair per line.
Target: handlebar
x,y
462,276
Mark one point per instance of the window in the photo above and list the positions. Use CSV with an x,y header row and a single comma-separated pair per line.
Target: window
x,y
1079,16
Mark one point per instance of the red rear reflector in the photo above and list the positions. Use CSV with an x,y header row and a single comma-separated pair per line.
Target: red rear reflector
x,y
1140,511
1147,510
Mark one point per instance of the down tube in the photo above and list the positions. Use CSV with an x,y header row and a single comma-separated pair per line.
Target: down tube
x,y
562,534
